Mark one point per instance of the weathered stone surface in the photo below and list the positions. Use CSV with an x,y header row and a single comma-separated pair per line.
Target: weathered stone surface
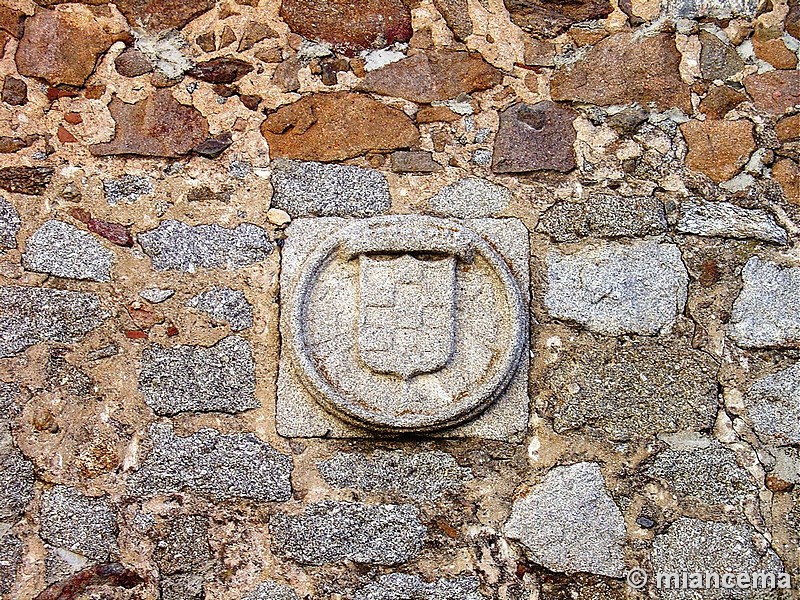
x,y
174,245
434,75
720,100
185,546
128,189
414,162
63,250
625,68
196,379
269,590
456,15
221,70
604,215
629,389
25,180
159,125
420,476
132,63
538,137
15,91
546,19
9,224
788,129
569,523
32,315
16,481
774,92
767,312
616,288
78,523
773,49
773,405
787,174
470,198
722,219
334,532
254,33
152,15
310,188
11,548
718,60
213,464
226,305
336,126
182,586
12,21
716,9
718,148
411,587
350,26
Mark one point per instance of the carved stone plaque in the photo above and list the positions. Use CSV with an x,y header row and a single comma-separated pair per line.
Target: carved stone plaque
x,y
404,323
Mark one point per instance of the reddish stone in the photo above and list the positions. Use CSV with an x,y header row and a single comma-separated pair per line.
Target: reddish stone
x,y
776,484
12,21
94,92
113,232
206,42
434,114
788,129
221,70
250,101
25,180
15,91
144,316
152,15
456,15
110,575
64,136
132,63
775,91
73,118
792,22
337,126
350,26
775,52
624,68
54,93
172,331
549,18
226,38
718,148
157,126
431,76
720,100
135,334
787,174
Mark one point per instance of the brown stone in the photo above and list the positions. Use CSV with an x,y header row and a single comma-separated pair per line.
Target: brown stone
x,y
539,53
9,145
73,118
775,52
152,15
156,126
792,22
404,161
269,55
456,15
718,148
64,136
285,75
435,114
94,92
25,180
336,126
226,38
206,42
549,18
720,100
221,70
787,174
15,91
538,137
431,76
776,484
622,69
788,129
12,21
349,26
774,92
132,63
254,33
718,60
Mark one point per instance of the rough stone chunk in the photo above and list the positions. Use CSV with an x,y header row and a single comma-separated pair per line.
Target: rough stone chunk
x,y
9,224
414,162
10,558
569,522
16,481
152,15
132,63
431,76
221,70
456,15
774,92
538,137
718,148
718,60
25,180
183,586
470,198
334,532
226,305
411,587
63,250
715,9
625,68
176,245
773,405
722,219
198,379
217,465
309,188
31,315
767,312
185,546
617,288
546,19
78,523
336,126
15,91
269,590
128,189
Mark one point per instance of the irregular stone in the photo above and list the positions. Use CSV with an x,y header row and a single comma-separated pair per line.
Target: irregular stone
x,y
787,174
625,68
773,405
32,315
214,147
221,70
788,129
62,376
420,476
604,215
774,92
9,224
718,60
159,125
132,63
616,288
310,188
569,522
715,9
16,471
285,75
194,378
185,546
546,19
78,523
774,51
15,91
63,250
178,246
335,532
128,188
456,15
9,145
269,590
414,162
213,464
11,548
25,180
411,587
152,15
12,21
722,219
182,586
720,100
254,33
469,198
436,114
537,137
156,295
432,76
226,305
336,126
767,312
347,26
718,148
278,217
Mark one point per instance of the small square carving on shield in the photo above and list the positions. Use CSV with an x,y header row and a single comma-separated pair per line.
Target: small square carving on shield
x,y
404,324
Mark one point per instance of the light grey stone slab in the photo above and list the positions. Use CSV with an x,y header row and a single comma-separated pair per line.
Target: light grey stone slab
x,y
128,189
470,198
269,590
156,295
63,250
9,224
401,586
773,405
11,548
16,471
716,9
723,219
226,305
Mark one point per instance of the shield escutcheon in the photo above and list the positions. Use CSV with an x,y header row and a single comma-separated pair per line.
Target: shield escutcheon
x,y
407,312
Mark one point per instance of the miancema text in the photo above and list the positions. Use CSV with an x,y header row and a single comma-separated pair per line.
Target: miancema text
x,y
731,581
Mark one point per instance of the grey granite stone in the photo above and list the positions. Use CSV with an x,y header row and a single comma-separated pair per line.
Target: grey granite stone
x,y
269,590
156,295
604,215
334,532
63,250
210,463
9,224
419,476
183,586
717,9
60,563
569,523
16,477
10,557
226,305
773,405
767,312
185,547
198,379
175,245
78,523
128,189
310,188
722,219
30,315
616,288
470,198
401,586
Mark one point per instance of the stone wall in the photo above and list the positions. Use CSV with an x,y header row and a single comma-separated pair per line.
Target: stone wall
x,y
634,162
